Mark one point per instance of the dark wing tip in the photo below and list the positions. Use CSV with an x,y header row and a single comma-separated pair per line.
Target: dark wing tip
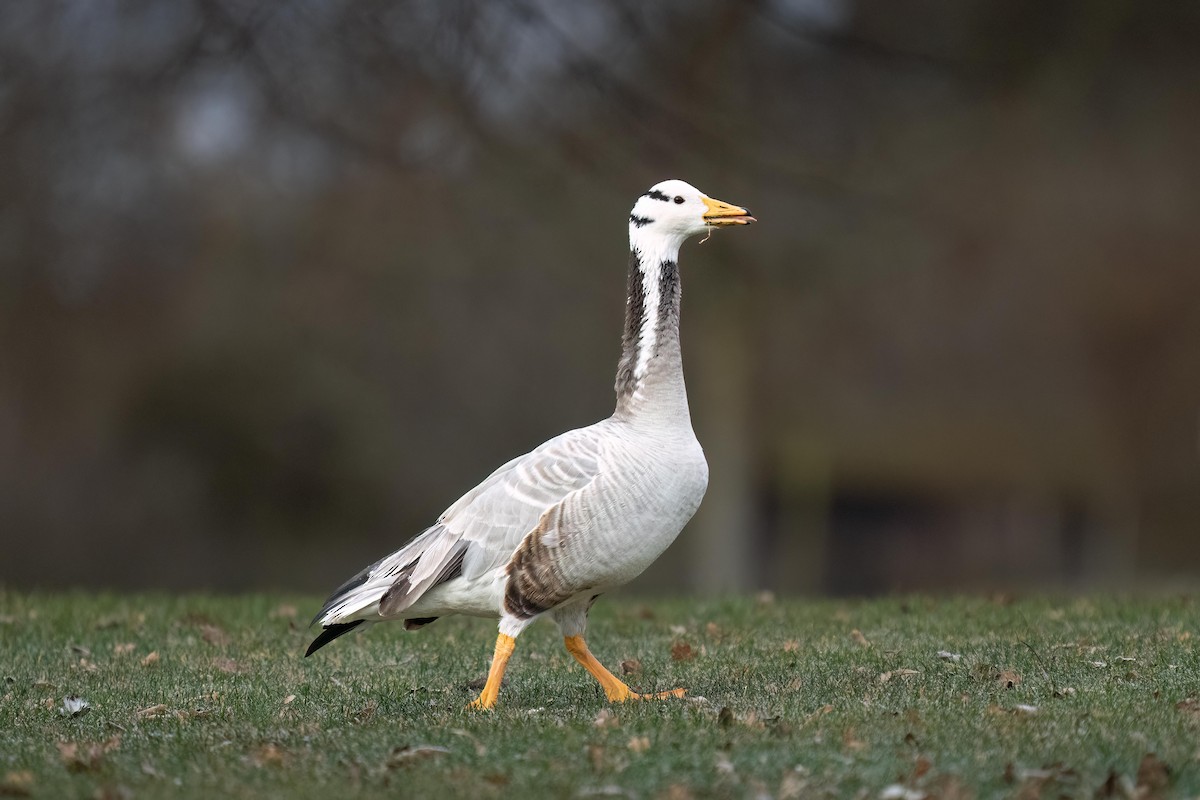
x,y
330,633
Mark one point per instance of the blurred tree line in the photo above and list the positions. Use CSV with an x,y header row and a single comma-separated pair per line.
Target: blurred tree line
x,y
280,280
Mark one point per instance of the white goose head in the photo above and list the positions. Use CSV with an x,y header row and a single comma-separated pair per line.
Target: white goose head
x,y
673,210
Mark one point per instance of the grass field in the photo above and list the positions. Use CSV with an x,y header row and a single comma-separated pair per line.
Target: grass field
x,y
200,696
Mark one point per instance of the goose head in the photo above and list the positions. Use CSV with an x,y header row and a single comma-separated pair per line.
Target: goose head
x,y
676,210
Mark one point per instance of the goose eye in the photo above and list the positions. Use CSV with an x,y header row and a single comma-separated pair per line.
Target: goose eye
x,y
678,199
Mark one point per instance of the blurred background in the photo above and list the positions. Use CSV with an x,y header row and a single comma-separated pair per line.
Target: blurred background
x,y
280,279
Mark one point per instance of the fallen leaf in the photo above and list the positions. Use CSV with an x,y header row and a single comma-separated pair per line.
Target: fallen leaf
x,y
1190,706
857,637
606,719
151,712
884,677
214,635
1098,664
78,757
1153,777
1008,678
922,766
794,785
268,755
73,706
791,646
639,744
713,630
287,700
123,648
681,791
407,755
946,655
284,611
631,666
151,659
17,784
365,713
682,651
1116,786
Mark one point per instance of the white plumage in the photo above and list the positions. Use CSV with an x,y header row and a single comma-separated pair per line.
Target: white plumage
x,y
587,511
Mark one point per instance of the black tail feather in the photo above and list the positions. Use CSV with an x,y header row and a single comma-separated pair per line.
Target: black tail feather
x,y
330,633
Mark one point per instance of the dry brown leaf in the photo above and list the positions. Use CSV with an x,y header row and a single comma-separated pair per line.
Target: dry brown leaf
x,y
284,611
606,719
123,648
639,744
227,665
884,677
78,757
851,741
1190,706
677,791
1153,777
631,666
214,635
595,754
922,766
949,787
17,784
159,710
268,755
1116,786
857,637
151,659
794,785
682,651
410,754
287,700
791,646
1008,678
713,630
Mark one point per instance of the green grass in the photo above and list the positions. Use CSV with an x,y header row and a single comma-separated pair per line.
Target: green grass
x,y
786,700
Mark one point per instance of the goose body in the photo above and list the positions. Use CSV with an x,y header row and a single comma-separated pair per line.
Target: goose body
x,y
585,512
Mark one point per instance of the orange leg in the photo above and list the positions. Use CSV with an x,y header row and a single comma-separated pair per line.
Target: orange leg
x,y
614,688
491,689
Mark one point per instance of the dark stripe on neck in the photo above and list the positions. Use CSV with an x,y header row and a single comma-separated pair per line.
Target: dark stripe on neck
x,y
635,309
655,194
668,293
641,222
666,320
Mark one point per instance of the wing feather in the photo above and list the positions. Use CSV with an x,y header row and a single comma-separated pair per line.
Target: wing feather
x,y
478,533
497,514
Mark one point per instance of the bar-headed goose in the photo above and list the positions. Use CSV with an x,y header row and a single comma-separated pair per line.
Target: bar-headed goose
x,y
552,530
